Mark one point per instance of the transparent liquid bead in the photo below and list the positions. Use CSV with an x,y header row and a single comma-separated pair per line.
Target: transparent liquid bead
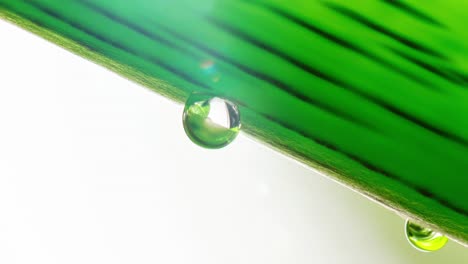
x,y
211,122
423,238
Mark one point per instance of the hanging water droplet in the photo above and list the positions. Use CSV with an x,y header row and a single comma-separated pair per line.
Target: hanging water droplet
x,y
211,122
423,238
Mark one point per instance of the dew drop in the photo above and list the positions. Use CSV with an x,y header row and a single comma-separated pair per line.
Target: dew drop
x,y
423,238
211,122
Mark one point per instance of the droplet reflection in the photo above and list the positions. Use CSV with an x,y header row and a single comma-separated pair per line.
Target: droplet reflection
x,y
423,238
211,122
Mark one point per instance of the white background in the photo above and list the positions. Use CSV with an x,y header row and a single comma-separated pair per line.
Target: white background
x,y
95,169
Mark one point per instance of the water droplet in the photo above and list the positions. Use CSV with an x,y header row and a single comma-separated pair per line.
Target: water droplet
x,y
423,238
210,121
